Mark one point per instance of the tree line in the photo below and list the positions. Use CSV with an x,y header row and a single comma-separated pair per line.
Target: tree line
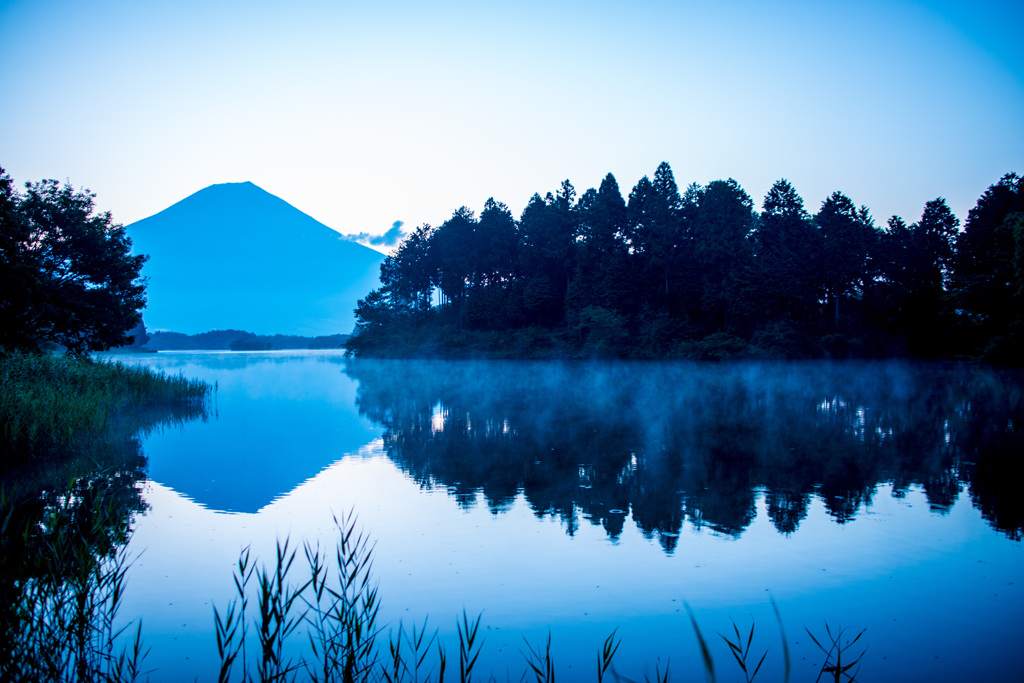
x,y
702,273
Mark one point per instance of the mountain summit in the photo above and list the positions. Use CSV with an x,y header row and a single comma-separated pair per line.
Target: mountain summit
x,y
235,256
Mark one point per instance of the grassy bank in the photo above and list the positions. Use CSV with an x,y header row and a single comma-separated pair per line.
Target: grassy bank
x,y
50,403
70,469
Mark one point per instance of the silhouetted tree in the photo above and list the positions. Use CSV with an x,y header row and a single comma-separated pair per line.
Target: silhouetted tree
x,y
495,248
847,238
987,276
547,254
654,213
702,274
786,245
601,289
916,262
724,220
455,250
68,275
414,270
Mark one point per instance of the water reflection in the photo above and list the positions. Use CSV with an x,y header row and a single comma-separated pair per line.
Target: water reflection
x,y
279,419
664,443
64,524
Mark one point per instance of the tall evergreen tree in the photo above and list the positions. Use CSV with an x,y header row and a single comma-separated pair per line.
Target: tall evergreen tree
x,y
547,231
914,260
786,245
722,224
937,232
415,271
847,237
496,237
654,213
454,245
601,266
986,278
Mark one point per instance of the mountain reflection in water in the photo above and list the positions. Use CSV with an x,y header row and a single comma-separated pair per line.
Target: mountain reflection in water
x,y
662,443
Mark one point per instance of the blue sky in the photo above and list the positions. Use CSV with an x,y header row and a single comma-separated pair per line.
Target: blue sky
x,y
363,114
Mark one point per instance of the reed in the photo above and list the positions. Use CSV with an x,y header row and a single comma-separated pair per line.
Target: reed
x,y
336,607
740,649
834,666
71,466
50,404
286,622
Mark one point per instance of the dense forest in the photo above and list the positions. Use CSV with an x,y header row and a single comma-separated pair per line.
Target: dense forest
x,y
702,274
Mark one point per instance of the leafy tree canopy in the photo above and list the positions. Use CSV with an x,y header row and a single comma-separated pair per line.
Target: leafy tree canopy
x,y
67,276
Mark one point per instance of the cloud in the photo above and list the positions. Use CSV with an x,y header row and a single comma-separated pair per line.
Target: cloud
x,y
389,239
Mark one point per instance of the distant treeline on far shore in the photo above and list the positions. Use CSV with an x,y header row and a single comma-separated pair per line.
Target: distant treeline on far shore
x,y
703,274
229,340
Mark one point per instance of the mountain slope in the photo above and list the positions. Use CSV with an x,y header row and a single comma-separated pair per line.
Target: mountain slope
x,y
236,256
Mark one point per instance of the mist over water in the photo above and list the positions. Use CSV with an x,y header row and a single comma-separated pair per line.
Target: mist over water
x,y
664,443
580,498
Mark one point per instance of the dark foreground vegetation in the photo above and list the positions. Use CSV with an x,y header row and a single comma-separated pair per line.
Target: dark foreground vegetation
x,y
68,279
702,274
70,462
71,472
323,626
52,406
287,623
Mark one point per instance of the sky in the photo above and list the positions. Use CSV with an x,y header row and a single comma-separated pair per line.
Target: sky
x,y
365,114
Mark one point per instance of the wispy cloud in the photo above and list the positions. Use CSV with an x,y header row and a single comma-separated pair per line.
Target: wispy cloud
x,y
389,239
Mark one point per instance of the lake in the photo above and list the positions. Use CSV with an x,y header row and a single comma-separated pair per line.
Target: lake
x,y
583,499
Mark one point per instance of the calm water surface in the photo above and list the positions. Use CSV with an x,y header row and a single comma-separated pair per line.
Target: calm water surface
x,y
581,498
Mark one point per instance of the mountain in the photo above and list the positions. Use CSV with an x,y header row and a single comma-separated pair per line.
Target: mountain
x,y
235,256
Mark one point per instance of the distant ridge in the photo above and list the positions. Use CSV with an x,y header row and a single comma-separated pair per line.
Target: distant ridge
x,y
234,256
238,340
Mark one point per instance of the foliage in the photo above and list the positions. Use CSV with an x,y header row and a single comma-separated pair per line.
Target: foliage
x,y
49,404
71,473
987,278
740,649
701,274
238,340
67,274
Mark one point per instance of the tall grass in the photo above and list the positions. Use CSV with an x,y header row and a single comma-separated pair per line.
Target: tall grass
x,y
335,609
324,627
61,617
50,404
70,467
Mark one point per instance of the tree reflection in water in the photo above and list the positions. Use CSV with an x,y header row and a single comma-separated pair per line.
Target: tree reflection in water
x,y
664,443
65,519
